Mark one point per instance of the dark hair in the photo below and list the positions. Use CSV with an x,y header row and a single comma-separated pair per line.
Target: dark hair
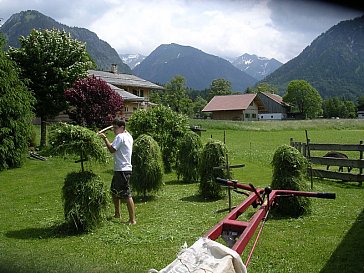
x,y
119,122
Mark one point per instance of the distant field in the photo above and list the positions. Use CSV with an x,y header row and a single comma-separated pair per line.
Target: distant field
x,y
331,239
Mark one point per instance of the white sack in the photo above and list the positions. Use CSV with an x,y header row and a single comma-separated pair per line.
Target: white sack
x,y
206,256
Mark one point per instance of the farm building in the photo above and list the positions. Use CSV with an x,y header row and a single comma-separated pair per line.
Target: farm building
x,y
234,107
247,107
274,107
134,90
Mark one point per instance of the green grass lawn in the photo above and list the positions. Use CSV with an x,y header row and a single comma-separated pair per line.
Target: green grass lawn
x,y
331,239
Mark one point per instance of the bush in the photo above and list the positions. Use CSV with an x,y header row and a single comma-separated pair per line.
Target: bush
x,y
213,155
289,171
188,157
85,201
16,104
147,165
165,126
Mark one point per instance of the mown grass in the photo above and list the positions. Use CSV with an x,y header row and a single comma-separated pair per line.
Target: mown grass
x,y
331,239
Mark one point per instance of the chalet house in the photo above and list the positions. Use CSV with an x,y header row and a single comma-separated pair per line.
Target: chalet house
x,y
134,90
247,107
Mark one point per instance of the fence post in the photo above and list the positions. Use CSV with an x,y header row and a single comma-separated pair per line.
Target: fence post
x,y
361,158
304,149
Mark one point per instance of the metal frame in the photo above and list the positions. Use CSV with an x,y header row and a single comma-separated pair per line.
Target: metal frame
x,y
237,234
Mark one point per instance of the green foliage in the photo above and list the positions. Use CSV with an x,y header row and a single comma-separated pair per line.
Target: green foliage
x,y
147,165
289,170
164,125
174,96
51,61
188,157
262,87
304,98
16,105
219,87
336,107
213,155
198,104
67,139
84,200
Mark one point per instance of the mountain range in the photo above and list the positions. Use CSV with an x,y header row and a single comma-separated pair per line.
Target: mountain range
x,y
333,63
132,60
255,66
100,51
198,68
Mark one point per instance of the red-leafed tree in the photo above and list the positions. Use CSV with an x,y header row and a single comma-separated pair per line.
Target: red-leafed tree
x,y
93,103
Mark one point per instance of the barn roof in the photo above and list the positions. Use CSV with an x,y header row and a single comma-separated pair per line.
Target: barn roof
x,y
275,97
229,102
124,79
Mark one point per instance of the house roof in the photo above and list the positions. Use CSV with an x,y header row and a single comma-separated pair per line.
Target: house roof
x,y
275,97
124,94
124,79
229,102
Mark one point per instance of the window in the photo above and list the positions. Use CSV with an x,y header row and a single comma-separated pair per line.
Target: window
x,y
254,115
247,115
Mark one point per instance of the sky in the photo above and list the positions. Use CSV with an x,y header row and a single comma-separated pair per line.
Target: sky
x,y
278,29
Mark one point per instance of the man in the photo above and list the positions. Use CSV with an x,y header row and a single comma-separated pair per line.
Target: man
x,y
121,148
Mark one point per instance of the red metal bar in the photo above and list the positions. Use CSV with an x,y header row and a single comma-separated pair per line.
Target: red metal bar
x,y
246,230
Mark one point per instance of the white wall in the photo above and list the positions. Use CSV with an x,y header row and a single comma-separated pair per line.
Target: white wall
x,y
271,116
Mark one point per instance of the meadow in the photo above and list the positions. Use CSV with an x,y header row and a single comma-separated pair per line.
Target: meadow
x,y
330,239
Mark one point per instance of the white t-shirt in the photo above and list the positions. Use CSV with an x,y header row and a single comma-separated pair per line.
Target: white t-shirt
x,y
123,144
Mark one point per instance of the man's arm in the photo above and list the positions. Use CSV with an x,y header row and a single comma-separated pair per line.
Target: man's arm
x,y
107,143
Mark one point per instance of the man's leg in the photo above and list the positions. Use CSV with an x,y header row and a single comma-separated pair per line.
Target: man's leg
x,y
131,210
116,201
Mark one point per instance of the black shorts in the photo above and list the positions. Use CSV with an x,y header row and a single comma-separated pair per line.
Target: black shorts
x,y
120,186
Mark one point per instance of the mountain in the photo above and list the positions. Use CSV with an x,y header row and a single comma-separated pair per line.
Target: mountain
x,y
333,63
257,67
100,51
132,60
198,68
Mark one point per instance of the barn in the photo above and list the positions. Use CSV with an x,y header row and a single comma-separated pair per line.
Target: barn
x,y
247,107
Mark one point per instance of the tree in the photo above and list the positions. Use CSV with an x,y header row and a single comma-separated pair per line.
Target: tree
x,y
262,87
198,105
16,103
51,61
219,87
304,98
175,96
336,107
94,103
164,125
